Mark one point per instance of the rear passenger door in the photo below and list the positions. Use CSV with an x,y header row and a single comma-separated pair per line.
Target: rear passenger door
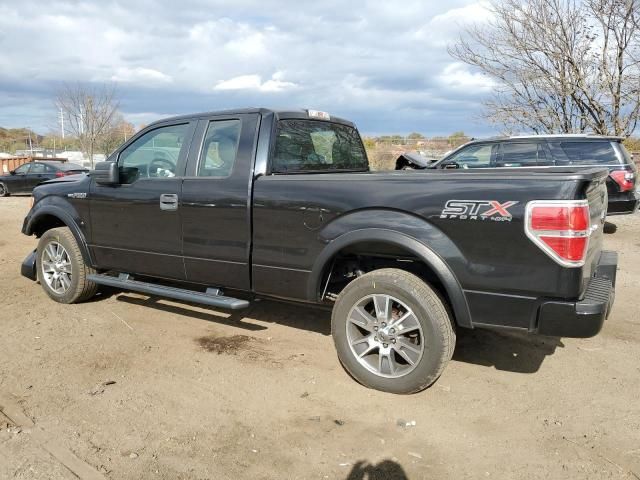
x,y
216,201
36,175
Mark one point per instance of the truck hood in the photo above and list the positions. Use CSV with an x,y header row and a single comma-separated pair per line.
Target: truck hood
x,y
69,178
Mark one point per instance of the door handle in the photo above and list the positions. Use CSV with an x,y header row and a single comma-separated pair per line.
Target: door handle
x,y
168,201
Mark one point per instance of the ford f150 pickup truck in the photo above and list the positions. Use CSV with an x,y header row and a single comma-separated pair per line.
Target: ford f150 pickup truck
x,y
224,207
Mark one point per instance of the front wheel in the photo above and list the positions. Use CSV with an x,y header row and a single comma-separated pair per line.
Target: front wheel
x,y
61,268
392,331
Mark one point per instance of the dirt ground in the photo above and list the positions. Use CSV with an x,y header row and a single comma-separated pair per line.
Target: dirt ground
x,y
131,387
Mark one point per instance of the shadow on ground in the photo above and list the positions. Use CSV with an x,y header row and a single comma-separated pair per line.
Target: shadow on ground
x,y
503,350
384,470
609,227
289,315
509,351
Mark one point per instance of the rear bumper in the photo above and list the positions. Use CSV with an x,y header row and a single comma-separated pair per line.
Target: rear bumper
x,y
583,318
623,203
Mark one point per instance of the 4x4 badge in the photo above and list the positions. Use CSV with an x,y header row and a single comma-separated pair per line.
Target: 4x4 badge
x,y
478,210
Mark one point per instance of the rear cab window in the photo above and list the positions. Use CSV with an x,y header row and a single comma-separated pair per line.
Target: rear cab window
x,y
306,146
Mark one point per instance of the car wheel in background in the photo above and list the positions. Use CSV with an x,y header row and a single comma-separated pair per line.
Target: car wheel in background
x,y
4,192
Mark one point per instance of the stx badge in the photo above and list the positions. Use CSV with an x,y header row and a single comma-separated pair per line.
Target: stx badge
x,y
478,210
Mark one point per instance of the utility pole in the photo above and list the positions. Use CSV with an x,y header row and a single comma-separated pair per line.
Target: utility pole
x,y
30,144
61,124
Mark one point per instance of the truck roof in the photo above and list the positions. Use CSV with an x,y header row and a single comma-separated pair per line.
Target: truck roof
x,y
279,113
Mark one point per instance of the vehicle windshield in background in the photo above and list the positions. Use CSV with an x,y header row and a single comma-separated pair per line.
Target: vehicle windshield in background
x,y
309,145
575,152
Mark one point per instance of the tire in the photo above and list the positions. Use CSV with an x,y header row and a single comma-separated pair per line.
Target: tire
x,y
65,278
4,191
426,327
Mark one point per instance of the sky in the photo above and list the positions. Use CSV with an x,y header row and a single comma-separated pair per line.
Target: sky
x,y
382,64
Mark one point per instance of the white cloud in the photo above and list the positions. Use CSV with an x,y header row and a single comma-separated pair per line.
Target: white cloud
x,y
140,75
254,82
457,76
474,12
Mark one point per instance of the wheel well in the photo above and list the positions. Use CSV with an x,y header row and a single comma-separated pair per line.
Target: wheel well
x,y
360,258
46,222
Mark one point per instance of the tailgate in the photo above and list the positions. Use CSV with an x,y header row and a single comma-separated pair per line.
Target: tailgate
x,y
596,195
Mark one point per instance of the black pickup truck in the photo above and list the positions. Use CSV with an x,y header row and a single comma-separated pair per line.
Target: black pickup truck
x,y
220,208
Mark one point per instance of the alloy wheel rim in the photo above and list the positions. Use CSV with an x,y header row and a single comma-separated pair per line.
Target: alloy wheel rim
x,y
385,335
56,267
2,189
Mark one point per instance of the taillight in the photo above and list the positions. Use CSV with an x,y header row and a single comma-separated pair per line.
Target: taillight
x,y
625,180
59,174
561,229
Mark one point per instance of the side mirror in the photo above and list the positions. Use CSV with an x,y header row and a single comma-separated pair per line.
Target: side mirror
x,y
450,165
12,172
106,173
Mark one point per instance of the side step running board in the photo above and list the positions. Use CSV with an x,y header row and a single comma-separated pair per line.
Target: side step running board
x,y
212,298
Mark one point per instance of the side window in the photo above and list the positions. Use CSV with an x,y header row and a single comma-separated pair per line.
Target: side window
x,y
587,153
219,149
473,156
543,157
154,155
37,168
49,169
22,169
521,154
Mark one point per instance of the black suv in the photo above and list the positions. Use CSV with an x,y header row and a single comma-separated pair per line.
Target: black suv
x,y
27,176
555,151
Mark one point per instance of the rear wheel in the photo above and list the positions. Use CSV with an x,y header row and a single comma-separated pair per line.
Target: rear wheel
x,y
4,192
392,331
61,268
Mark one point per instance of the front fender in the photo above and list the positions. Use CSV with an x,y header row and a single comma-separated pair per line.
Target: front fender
x,y
63,211
409,232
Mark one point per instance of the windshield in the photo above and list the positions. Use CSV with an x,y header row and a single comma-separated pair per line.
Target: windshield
x,y
310,145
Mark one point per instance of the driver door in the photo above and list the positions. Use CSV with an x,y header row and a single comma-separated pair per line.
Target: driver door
x,y
17,182
136,225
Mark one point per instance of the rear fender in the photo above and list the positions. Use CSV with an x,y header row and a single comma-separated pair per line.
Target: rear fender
x,y
411,233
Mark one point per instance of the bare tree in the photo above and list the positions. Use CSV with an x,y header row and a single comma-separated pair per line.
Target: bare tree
x,y
560,65
117,132
88,113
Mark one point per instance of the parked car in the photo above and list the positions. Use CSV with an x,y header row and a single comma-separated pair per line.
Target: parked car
x,y
413,160
282,205
27,176
576,151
